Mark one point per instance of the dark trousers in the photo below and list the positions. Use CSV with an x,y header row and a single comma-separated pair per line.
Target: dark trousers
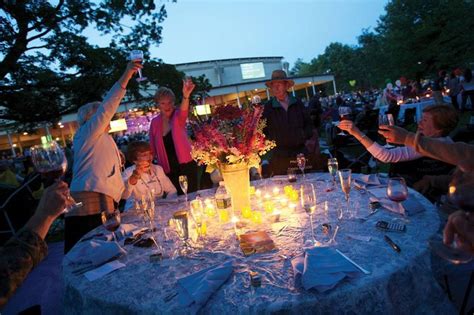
x,y
191,171
465,95
76,227
454,101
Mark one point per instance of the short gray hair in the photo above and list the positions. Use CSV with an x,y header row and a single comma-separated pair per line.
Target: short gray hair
x,y
164,92
85,112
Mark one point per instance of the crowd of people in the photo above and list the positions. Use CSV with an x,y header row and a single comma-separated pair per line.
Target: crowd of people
x,y
100,180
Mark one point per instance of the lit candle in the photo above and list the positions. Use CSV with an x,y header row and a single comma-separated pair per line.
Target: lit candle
x,y
246,212
257,217
269,206
234,221
252,190
283,201
276,190
258,193
275,217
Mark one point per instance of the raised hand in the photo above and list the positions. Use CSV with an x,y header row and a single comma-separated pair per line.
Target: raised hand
x,y
393,134
188,87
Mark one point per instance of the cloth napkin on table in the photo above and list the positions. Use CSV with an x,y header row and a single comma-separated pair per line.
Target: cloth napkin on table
x,y
322,268
362,181
125,230
411,206
93,252
194,290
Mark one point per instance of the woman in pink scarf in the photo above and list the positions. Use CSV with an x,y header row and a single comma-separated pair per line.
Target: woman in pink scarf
x,y
169,139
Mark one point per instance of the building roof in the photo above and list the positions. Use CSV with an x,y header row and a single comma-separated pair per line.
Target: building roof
x,y
230,59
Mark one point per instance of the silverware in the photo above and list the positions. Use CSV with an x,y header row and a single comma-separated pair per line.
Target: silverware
x,y
352,262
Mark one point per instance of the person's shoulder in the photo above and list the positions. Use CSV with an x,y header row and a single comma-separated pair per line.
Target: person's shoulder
x,y
158,168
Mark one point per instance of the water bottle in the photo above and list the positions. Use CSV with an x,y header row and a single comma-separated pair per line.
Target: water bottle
x,y
223,203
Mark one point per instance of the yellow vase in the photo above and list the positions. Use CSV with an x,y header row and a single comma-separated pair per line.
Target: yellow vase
x,y
237,181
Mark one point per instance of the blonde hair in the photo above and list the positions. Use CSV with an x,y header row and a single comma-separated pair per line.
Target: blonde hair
x,y
85,112
445,117
164,92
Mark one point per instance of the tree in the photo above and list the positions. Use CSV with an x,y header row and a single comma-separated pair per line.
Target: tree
x,y
48,68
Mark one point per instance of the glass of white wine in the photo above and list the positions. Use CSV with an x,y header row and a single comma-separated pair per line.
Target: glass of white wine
x,y
345,178
333,167
301,162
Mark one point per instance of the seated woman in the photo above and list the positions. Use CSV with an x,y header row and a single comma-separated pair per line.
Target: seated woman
x,y
437,122
143,176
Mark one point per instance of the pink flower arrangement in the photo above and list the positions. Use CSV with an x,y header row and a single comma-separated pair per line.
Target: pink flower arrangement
x,y
231,136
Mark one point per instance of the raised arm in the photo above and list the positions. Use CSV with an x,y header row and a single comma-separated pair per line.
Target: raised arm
x,y
188,87
106,111
458,153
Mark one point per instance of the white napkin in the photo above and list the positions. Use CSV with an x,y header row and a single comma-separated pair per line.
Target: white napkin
x,y
93,252
370,179
322,268
411,206
194,290
103,270
125,230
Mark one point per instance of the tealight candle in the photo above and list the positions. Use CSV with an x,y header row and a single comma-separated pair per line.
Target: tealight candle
x,y
252,190
246,212
276,190
267,196
292,206
223,215
269,206
258,193
294,195
210,210
257,217
283,201
275,217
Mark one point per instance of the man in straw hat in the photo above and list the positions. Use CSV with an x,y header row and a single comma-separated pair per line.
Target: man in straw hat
x,y
288,123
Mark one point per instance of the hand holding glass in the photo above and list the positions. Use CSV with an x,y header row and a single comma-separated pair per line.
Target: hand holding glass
x,y
137,55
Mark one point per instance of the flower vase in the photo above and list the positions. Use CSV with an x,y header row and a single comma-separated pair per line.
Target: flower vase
x,y
237,181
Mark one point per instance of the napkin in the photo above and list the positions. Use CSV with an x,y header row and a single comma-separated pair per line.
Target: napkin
x,y
93,252
194,290
370,179
411,206
322,268
103,270
125,230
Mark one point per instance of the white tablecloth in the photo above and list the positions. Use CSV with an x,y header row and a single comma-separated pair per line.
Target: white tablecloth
x,y
399,283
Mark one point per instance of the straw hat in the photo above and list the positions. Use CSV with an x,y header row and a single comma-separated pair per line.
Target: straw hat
x,y
279,75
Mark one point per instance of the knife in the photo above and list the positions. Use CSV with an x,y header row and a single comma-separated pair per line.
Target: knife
x,y
392,244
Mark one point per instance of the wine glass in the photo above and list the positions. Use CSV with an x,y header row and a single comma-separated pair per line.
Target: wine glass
x,y
137,55
460,194
397,189
345,176
197,213
344,114
183,183
308,203
50,161
111,221
301,162
180,223
333,167
386,120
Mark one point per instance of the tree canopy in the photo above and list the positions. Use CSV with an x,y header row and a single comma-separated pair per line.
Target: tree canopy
x,y
413,38
48,68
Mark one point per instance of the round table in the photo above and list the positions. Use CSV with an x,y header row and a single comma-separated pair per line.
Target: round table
x,y
399,282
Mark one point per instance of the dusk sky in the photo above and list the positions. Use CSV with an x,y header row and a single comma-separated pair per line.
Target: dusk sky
x,y
218,29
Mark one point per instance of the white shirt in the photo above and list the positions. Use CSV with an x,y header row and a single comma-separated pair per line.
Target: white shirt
x,y
96,156
156,180
398,154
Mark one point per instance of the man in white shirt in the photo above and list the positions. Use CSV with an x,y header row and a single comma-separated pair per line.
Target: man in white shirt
x,y
97,180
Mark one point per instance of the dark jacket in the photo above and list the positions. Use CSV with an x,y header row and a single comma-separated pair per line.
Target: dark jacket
x,y
289,129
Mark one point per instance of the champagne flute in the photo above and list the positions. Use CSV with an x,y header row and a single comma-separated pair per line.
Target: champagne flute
x,y
386,120
344,114
345,178
301,162
183,183
308,203
137,55
50,161
333,167
111,221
